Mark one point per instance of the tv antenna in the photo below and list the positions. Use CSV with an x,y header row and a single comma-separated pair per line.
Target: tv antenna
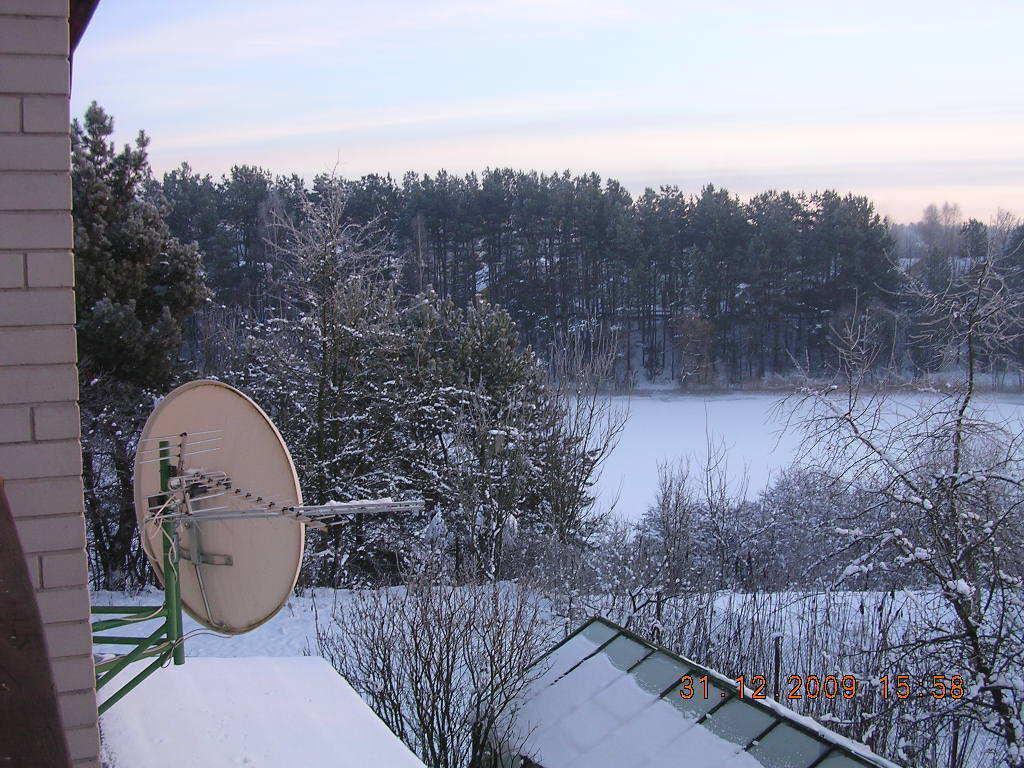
x,y
222,522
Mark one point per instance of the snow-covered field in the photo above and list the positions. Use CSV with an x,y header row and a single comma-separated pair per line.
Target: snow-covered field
x,y
664,427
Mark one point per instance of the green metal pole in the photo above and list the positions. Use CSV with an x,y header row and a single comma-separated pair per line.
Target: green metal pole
x,y
119,609
123,639
160,649
137,618
172,592
142,644
166,641
121,692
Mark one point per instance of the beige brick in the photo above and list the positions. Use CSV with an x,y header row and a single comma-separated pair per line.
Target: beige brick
x,y
43,534
52,496
42,307
84,745
21,35
10,114
56,422
35,191
27,460
63,604
70,639
46,114
50,269
34,74
37,230
37,346
38,384
36,7
57,605
12,270
68,569
15,424
34,153
77,708
73,674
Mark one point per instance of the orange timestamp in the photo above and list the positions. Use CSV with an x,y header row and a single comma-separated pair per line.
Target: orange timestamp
x,y
898,686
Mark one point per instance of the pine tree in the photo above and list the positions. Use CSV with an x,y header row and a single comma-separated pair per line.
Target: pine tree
x,y
135,287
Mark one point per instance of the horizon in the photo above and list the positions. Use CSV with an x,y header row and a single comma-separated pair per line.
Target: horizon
x,y
647,94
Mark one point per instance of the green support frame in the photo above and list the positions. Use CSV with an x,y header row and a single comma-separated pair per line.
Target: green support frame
x,y
165,642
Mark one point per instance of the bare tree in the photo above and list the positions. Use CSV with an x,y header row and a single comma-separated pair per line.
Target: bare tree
x,y
585,424
946,496
443,666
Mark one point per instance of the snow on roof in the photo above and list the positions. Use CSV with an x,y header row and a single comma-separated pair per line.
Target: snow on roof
x,y
257,712
606,697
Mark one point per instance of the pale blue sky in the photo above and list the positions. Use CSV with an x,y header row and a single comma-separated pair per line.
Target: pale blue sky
x,y
908,102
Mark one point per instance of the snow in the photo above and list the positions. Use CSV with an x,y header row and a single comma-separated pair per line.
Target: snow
x,y
961,587
598,715
291,632
436,530
663,428
639,726
254,712
666,427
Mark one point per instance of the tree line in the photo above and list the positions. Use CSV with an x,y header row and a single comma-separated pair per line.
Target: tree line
x,y
701,289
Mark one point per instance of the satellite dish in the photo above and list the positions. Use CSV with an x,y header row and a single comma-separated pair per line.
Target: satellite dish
x,y
235,571
222,522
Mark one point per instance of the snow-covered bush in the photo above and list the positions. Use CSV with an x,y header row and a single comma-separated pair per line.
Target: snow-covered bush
x,y
443,665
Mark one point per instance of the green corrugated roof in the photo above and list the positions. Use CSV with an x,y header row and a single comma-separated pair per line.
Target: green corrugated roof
x,y
607,697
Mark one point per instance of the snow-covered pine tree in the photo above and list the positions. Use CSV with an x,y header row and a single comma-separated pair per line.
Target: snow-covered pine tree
x,y
135,287
384,395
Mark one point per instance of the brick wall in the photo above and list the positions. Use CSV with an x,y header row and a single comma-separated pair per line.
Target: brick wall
x,y
40,453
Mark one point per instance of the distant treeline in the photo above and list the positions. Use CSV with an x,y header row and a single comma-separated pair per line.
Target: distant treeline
x,y
701,289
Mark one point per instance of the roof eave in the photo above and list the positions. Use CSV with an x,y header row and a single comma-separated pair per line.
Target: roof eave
x,y
79,14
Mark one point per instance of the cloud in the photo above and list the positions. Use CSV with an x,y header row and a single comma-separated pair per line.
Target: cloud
x,y
341,121
897,162
250,31
578,135
801,95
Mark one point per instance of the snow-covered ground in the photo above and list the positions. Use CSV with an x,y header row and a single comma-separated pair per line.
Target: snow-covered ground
x,y
257,712
261,712
291,632
664,427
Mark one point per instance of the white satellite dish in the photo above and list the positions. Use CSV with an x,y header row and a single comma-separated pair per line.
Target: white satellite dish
x,y
217,497
234,573
222,522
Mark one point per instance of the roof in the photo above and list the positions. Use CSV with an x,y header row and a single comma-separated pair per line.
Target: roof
x,y
247,711
607,697
79,14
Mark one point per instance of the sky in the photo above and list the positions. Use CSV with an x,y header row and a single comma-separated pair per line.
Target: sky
x,y
907,102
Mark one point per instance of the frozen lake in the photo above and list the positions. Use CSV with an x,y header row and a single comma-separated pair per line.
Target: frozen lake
x,y
665,427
